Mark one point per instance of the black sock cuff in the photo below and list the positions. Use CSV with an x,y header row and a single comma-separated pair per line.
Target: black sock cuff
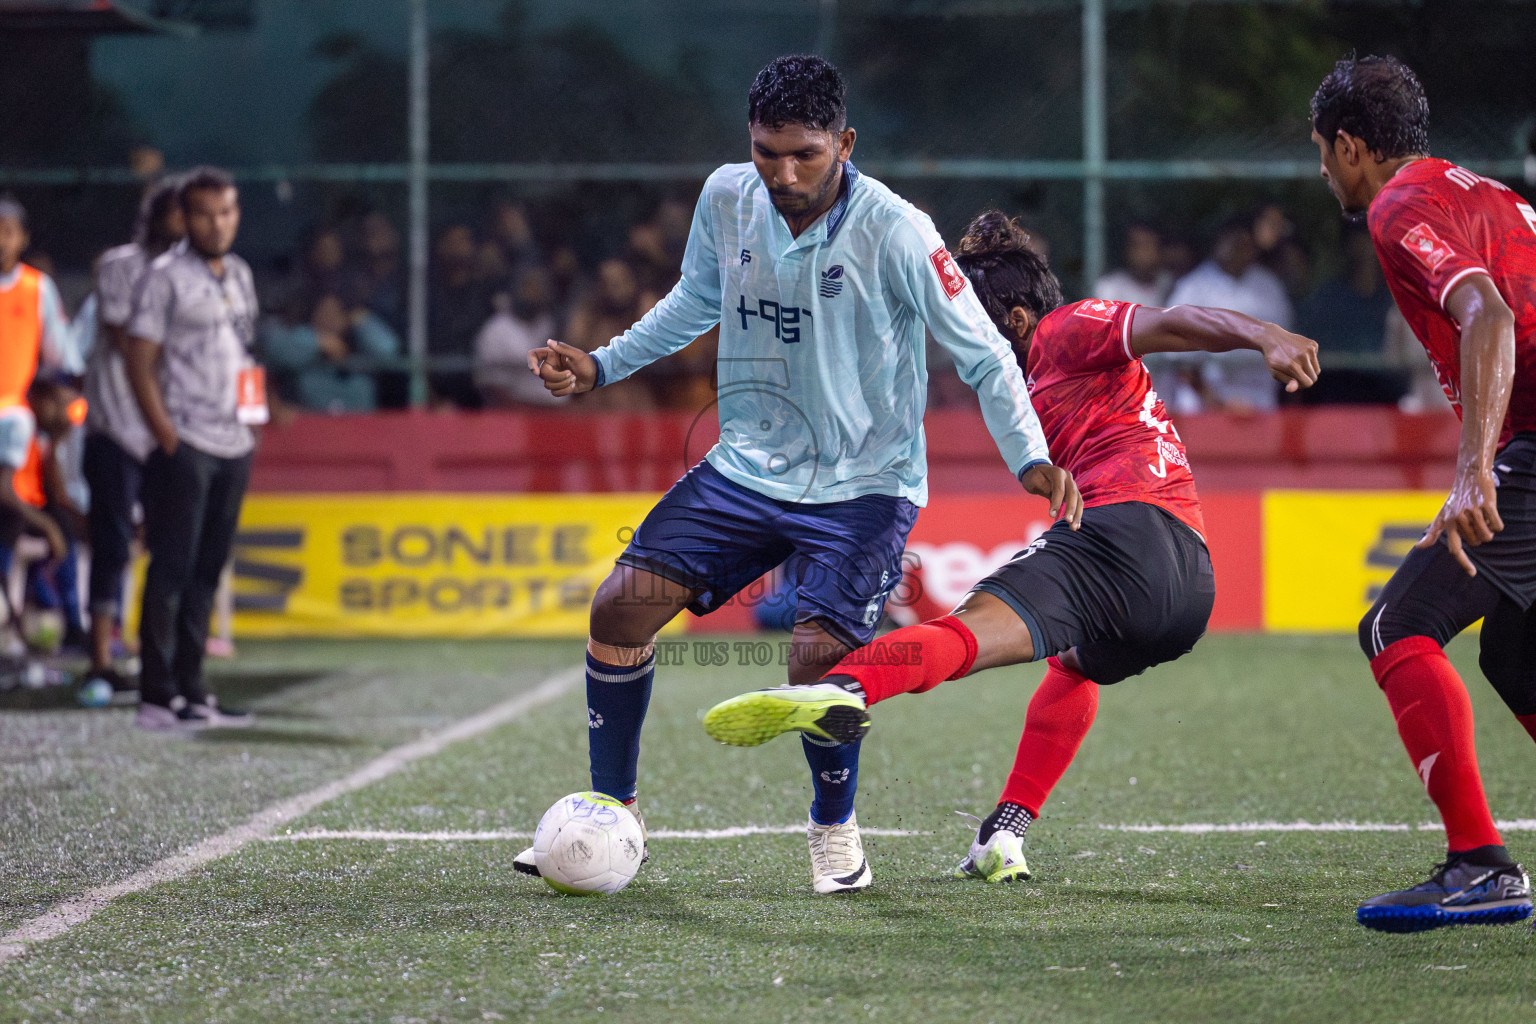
x,y
848,683
1494,855
1013,817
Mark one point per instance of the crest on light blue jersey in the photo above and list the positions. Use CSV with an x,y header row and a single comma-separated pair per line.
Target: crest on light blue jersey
x,y
832,281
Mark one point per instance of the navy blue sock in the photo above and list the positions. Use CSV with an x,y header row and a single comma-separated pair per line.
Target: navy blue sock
x,y
835,775
617,697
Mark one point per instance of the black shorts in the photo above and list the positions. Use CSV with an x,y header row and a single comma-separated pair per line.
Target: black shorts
x,y
1131,589
1509,560
1431,595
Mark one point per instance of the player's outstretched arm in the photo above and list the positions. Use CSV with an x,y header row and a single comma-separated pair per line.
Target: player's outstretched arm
x,y
1292,359
1470,515
564,369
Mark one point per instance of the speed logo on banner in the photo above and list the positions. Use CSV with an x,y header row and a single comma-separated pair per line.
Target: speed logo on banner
x,y
1327,554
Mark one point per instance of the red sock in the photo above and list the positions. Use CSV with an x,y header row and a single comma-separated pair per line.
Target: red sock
x,y
1434,718
911,659
1060,715
1529,721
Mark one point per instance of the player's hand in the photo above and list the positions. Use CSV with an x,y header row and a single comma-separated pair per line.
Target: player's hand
x,y
57,547
1470,516
1056,485
332,345
564,369
1292,359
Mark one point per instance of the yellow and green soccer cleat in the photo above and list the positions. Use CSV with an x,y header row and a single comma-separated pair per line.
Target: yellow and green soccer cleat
x,y
825,711
1000,859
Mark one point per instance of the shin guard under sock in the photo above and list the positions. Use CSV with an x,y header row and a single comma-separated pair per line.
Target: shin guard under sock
x,y
1434,719
617,697
911,659
1060,714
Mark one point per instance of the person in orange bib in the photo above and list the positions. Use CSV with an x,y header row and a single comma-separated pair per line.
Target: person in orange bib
x,y
58,409
33,329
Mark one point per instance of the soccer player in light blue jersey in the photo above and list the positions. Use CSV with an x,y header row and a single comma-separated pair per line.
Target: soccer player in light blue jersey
x,y
822,280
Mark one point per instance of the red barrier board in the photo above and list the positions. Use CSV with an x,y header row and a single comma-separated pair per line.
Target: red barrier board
x,y
1234,532
1348,448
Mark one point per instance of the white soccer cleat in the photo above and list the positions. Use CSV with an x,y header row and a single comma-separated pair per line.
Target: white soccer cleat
x,y
837,857
523,863
999,859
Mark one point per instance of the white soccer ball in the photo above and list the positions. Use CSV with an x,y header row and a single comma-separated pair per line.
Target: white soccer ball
x,y
588,843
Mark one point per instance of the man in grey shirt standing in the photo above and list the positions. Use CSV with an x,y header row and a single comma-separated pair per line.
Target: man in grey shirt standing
x,y
189,364
117,441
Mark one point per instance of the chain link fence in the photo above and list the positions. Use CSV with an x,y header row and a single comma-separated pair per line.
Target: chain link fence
x,y
557,142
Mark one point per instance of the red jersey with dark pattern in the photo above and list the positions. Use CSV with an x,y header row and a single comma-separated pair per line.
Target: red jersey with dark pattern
x,y
1434,225
1104,423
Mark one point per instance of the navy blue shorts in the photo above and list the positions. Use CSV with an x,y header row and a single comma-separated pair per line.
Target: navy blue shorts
x,y
716,537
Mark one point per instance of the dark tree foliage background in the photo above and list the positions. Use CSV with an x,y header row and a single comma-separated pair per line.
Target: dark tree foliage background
x,y
1185,79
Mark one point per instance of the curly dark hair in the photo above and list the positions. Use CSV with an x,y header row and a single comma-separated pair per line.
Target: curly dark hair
x,y
799,89
1005,271
1376,99
157,201
200,179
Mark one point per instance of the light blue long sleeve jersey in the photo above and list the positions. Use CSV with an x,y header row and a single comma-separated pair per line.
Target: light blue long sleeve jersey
x,y
822,372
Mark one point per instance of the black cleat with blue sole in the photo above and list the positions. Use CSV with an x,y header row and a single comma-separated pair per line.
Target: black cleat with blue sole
x,y
1459,892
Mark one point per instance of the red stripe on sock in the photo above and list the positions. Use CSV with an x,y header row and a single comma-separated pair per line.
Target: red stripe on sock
x,y
1529,721
1060,714
911,659
1434,719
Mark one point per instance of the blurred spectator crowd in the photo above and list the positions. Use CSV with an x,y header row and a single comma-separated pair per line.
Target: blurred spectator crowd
x,y
1257,265
334,323
332,337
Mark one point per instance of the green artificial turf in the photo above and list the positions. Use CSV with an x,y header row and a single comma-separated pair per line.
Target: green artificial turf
x,y
1115,925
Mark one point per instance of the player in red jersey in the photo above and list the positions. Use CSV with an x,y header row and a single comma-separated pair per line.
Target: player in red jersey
x,y
1128,587
1459,253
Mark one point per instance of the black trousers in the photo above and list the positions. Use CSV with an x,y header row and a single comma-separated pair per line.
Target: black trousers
x,y
191,509
115,478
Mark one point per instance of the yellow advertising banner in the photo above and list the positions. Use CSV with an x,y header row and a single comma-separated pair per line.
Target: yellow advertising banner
x,y
421,565
1327,554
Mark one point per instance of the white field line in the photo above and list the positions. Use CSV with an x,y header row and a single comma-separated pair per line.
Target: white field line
x,y
70,913
1195,828
735,832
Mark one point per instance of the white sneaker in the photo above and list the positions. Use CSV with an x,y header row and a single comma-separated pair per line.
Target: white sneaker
x,y
837,857
524,864
1000,859
156,718
210,716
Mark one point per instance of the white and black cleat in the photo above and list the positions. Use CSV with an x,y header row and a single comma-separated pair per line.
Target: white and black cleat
x,y
838,863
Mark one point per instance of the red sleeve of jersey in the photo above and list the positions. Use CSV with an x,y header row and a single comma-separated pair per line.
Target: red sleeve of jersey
x,y
1094,334
1423,245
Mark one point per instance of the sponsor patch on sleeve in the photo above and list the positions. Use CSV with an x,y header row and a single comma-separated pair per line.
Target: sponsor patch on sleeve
x,y
1422,241
1097,309
949,274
